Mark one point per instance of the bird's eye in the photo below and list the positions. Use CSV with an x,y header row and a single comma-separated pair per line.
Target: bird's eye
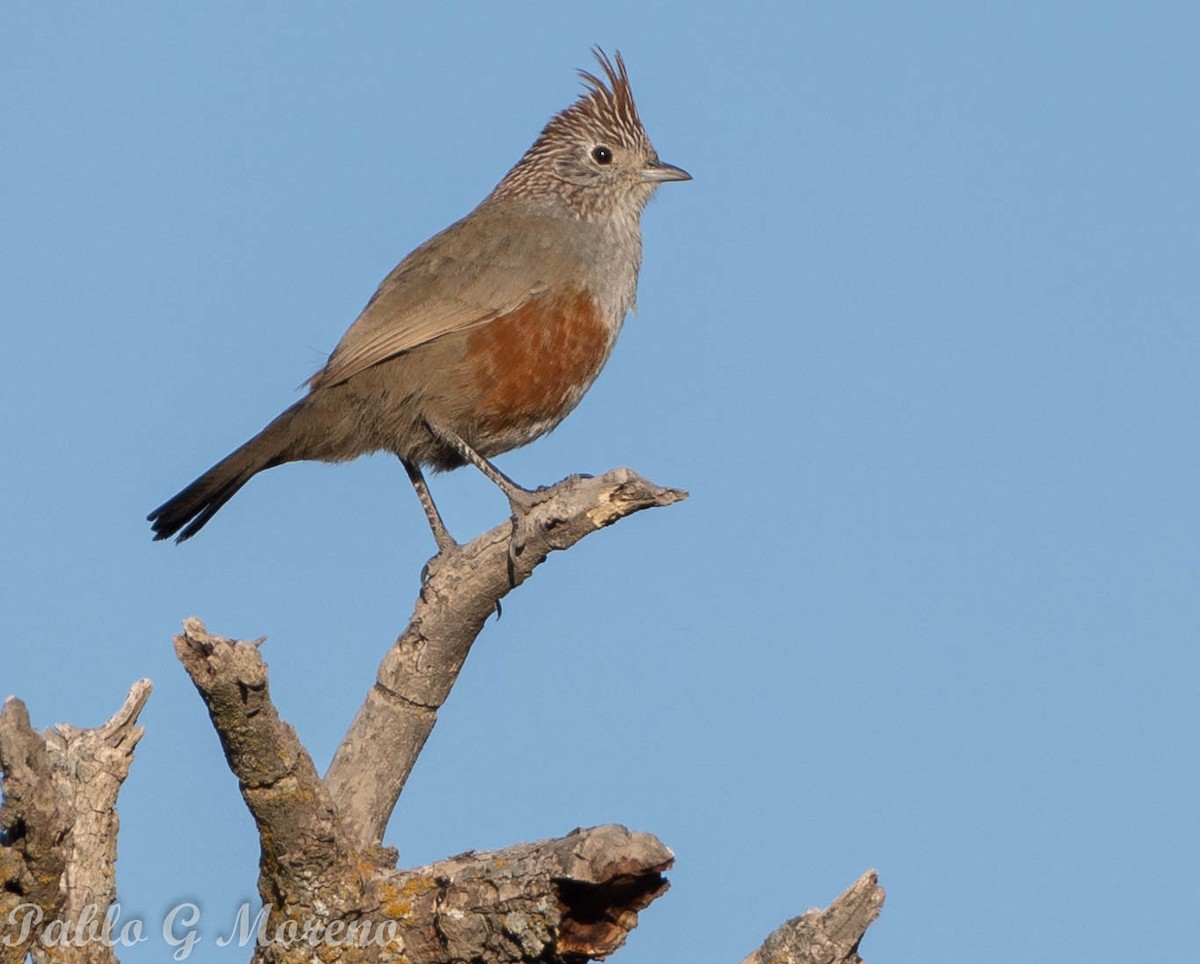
x,y
602,155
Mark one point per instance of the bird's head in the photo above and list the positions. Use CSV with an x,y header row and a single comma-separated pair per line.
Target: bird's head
x,y
595,156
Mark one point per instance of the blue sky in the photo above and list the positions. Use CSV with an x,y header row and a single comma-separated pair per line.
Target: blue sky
x,y
921,339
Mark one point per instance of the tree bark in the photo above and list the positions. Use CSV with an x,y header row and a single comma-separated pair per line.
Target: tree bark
x,y
331,891
550,901
322,862
58,832
829,936
463,588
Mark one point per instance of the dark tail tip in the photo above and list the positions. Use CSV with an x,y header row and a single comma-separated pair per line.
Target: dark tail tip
x,y
193,507
189,511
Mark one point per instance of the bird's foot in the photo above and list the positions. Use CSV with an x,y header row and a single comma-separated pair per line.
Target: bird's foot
x,y
447,550
523,501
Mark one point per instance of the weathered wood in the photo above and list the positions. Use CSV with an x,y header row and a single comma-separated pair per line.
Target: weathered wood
x,y
58,832
331,892
462,590
829,936
555,900
306,857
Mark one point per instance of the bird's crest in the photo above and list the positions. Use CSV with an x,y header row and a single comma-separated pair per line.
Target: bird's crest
x,y
610,101
558,166
605,109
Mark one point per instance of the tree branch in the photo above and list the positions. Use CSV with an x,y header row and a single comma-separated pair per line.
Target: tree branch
x,y
324,875
463,588
829,936
555,900
570,899
306,855
58,828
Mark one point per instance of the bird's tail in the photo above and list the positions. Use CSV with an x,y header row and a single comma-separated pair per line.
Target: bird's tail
x,y
194,506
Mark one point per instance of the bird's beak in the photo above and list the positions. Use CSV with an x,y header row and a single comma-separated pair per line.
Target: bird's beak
x,y
658,172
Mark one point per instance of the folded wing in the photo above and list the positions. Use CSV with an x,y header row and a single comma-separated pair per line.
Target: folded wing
x,y
451,283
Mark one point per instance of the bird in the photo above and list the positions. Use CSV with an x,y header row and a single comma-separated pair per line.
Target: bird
x,y
486,336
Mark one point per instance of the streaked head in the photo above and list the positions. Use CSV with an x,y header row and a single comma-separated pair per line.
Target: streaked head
x,y
594,156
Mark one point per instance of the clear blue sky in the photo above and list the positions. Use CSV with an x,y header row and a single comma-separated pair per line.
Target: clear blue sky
x,y
921,338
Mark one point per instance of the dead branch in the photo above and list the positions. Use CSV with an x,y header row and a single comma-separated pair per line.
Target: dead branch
x,y
331,892
58,831
322,863
829,936
571,899
555,900
306,855
463,588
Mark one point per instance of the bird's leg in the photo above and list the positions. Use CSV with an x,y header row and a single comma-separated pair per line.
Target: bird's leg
x,y
441,534
521,499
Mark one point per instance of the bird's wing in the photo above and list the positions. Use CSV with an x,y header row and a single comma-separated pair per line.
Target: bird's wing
x,y
460,278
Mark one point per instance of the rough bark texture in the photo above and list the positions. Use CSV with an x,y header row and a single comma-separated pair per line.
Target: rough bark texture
x,y
58,831
568,899
332,892
556,900
829,936
306,857
463,588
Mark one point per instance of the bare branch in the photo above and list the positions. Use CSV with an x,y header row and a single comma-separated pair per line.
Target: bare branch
x,y
305,854
463,588
555,900
58,824
323,872
830,936
568,899
31,822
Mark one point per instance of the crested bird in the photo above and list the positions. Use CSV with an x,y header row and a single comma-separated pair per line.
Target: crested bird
x,y
486,336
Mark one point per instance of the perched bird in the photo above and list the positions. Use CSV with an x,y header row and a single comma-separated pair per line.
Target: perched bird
x,y
487,335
